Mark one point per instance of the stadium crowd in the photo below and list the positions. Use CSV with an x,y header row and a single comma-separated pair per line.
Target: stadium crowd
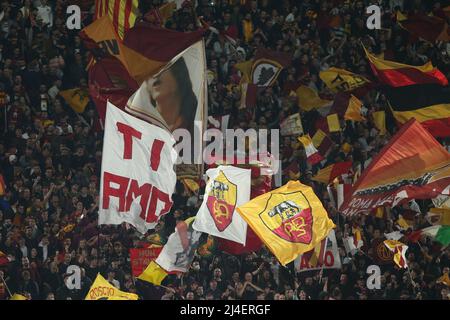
x,y
50,156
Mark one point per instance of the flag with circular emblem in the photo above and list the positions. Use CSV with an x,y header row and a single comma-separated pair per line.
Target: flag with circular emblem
x,y
290,220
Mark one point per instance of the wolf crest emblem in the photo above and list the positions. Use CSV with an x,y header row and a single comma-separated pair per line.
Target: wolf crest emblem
x,y
290,220
221,201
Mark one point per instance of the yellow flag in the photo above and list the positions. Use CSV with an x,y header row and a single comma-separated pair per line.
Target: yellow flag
x,y
76,98
379,119
354,110
439,216
333,122
444,280
318,138
153,274
340,80
17,296
103,290
399,250
245,68
290,220
309,99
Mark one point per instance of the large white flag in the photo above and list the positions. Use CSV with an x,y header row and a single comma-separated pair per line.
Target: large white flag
x,y
228,187
138,176
178,253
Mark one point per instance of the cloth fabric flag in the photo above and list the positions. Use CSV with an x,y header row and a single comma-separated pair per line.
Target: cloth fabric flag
x,y
340,80
427,103
396,74
292,125
160,15
110,81
292,171
439,216
4,259
228,187
399,250
140,258
379,120
290,220
445,279
2,185
178,253
321,141
351,245
144,51
395,235
123,13
438,233
325,255
153,273
328,174
354,110
429,28
333,123
17,296
101,289
308,99
76,98
413,165
191,184
312,154
138,177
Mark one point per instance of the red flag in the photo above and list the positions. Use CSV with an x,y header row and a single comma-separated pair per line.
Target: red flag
x,y
412,166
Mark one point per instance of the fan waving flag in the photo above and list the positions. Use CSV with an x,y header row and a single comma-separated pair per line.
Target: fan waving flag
x,y
327,174
399,249
138,176
429,28
178,253
413,165
312,154
101,289
290,220
397,74
340,80
427,103
228,187
123,13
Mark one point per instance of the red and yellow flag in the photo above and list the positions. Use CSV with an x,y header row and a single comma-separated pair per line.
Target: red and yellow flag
x,y
397,74
290,220
413,165
399,250
353,111
328,174
2,186
123,13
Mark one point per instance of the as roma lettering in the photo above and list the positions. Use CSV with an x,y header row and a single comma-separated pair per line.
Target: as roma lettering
x,y
127,189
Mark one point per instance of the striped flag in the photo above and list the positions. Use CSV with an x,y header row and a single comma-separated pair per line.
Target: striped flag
x,y
397,74
321,141
399,250
312,154
123,13
328,174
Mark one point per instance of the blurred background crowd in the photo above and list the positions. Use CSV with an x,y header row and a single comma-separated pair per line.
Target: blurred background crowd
x,y
50,156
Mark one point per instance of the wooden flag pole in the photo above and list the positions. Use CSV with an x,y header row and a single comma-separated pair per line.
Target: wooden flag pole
x,y
6,286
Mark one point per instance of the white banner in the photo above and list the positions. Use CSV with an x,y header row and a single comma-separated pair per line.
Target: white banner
x,y
328,256
175,98
178,253
228,187
138,176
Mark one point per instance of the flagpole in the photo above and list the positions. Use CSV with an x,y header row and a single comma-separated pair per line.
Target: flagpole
x,y
6,286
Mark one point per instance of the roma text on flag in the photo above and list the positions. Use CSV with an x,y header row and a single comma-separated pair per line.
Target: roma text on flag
x,y
413,165
290,220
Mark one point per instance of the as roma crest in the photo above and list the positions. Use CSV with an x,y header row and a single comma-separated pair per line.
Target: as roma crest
x,y
221,201
265,71
291,219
